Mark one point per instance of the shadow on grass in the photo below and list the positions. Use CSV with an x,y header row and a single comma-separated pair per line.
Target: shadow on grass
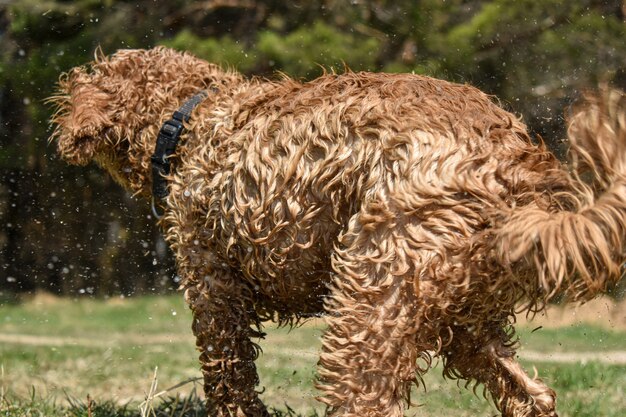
x,y
191,406
175,406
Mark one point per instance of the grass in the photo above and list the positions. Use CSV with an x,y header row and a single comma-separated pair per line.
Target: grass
x,y
55,354
577,338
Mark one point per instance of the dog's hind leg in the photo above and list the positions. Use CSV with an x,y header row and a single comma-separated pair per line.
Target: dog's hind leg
x,y
222,320
368,361
490,360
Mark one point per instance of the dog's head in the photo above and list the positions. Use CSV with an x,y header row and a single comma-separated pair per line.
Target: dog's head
x,y
105,109
85,110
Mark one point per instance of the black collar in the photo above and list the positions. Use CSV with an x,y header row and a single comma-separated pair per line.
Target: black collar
x,y
166,145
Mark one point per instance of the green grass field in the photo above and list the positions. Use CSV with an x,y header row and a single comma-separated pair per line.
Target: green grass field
x,y
54,353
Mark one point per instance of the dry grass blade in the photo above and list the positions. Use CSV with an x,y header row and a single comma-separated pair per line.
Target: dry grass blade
x,y
146,407
2,394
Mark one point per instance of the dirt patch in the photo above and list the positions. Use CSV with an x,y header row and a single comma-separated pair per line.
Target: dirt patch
x,y
111,340
609,357
602,311
43,299
617,357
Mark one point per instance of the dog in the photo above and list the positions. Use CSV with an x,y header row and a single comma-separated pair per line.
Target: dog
x,y
416,214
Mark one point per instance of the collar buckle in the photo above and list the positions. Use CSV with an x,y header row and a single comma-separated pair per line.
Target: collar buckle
x,y
166,143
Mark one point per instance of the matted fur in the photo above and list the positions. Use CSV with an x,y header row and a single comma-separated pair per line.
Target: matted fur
x,y
416,213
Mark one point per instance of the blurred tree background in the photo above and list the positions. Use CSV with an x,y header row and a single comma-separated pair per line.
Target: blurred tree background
x,y
73,231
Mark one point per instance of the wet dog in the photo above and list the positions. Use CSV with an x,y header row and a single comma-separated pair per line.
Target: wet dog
x,y
415,213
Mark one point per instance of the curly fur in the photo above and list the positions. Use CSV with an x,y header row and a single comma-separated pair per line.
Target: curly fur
x,y
416,213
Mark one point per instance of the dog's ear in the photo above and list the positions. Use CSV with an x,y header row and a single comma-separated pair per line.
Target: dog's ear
x,y
82,116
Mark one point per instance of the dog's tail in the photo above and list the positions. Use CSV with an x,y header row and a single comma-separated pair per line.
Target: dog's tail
x,y
580,252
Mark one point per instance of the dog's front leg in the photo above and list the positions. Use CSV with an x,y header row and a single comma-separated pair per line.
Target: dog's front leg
x,y
222,320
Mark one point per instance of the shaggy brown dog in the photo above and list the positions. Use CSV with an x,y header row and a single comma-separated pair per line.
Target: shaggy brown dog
x,y
415,213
